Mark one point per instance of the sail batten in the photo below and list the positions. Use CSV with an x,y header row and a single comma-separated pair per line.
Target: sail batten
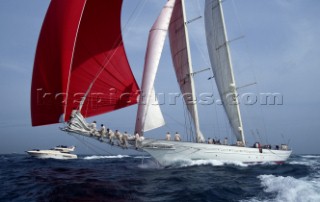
x,y
81,53
180,51
220,57
155,45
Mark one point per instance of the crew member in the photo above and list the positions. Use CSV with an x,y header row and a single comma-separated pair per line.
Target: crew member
x,y
177,137
102,130
168,136
93,127
225,142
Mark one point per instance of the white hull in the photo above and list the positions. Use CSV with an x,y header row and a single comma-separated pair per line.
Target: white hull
x,y
51,154
169,152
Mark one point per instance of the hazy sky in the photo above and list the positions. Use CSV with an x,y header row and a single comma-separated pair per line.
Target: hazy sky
x,y
280,51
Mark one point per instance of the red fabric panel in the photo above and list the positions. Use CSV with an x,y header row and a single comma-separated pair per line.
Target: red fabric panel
x,y
96,47
99,51
53,59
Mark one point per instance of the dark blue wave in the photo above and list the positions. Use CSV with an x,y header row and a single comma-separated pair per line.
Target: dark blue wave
x,y
126,179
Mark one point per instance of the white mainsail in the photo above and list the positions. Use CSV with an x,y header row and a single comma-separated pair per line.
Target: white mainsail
x,y
220,58
180,51
149,114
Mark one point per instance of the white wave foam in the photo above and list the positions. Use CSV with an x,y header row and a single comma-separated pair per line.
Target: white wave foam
x,y
142,157
105,157
300,163
149,164
314,164
189,163
311,164
291,189
311,156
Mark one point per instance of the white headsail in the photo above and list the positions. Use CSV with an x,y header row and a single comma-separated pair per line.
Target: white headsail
x,y
180,51
149,115
220,58
153,118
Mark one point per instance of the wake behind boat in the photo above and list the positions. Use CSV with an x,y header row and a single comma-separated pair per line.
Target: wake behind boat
x,y
85,73
58,152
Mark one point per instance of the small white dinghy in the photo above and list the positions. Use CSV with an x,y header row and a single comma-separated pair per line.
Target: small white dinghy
x,y
58,152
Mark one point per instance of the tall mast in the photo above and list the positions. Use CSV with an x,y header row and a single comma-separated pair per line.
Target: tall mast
x,y
219,52
199,135
181,59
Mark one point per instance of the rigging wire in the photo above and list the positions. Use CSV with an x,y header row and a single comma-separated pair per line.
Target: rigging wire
x,y
107,60
185,121
205,59
175,120
195,39
90,146
188,126
216,119
132,19
188,113
250,65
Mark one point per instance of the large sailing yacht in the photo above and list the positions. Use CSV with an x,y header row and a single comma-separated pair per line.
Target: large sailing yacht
x,y
217,42
91,63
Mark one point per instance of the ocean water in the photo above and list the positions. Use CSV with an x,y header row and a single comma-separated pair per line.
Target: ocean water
x,y
138,178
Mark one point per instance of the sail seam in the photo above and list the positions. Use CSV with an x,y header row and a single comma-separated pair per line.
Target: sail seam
x,y
155,29
71,64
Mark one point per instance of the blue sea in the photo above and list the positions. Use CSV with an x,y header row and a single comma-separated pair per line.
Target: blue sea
x,y
139,178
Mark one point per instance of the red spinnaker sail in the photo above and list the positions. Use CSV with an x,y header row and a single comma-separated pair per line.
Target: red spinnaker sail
x,y
81,44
